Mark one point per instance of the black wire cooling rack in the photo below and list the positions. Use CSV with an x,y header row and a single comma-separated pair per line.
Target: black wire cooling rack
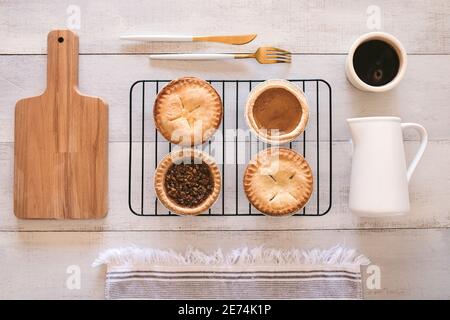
x,y
231,151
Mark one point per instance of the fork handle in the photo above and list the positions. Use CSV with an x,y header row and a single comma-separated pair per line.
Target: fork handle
x,y
193,56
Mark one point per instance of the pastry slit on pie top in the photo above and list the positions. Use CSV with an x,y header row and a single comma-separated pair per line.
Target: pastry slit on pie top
x,y
292,176
295,198
272,178
195,108
184,114
288,192
182,104
273,197
178,116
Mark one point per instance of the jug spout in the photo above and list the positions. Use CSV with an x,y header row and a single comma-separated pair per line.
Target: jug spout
x,y
355,130
352,127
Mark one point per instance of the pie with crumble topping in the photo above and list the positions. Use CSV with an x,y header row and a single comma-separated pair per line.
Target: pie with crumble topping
x,y
187,181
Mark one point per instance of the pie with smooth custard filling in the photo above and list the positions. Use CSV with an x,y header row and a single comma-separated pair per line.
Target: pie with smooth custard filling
x,y
278,181
277,111
187,111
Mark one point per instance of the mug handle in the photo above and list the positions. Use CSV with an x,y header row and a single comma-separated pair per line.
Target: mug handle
x,y
423,143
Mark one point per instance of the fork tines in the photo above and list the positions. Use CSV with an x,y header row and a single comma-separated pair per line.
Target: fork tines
x,y
276,55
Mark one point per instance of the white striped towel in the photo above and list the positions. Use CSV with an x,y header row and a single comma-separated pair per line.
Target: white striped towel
x,y
258,273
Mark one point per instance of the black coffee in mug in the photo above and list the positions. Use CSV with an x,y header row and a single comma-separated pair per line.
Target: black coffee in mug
x,y
376,62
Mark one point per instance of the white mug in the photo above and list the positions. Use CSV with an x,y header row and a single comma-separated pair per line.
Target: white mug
x,y
389,39
379,177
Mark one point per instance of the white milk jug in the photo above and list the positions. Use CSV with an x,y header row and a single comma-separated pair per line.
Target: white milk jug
x,y
379,177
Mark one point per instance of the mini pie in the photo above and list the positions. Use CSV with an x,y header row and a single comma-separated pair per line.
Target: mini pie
x,y
278,181
277,111
167,167
187,111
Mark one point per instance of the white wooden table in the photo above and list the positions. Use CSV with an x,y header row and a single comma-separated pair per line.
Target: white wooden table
x,y
412,251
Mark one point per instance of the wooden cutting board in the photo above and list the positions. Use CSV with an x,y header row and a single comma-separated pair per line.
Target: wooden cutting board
x,y
61,143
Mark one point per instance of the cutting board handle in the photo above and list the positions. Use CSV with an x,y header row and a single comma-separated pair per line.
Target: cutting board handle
x,y
62,61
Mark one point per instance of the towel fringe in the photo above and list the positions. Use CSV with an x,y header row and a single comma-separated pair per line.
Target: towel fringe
x,y
337,255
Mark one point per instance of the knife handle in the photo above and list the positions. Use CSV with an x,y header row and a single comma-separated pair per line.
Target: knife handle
x,y
193,56
156,38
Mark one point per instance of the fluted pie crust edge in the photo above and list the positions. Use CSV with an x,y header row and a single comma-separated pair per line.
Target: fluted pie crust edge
x,y
278,182
182,105
160,175
294,90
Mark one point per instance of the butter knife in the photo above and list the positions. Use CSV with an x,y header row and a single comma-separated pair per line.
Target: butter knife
x,y
239,39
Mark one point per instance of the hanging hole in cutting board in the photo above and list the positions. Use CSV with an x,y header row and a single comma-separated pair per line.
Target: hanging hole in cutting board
x,y
60,39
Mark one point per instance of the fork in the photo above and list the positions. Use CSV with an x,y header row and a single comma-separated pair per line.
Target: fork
x,y
264,55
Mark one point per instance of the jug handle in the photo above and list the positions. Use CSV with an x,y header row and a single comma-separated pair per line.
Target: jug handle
x,y
423,143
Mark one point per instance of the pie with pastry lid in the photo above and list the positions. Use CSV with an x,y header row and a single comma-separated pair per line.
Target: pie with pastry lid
x,y
278,181
187,111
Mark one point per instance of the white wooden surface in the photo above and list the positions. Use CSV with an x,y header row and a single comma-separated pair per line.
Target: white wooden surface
x,y
322,26
412,251
414,263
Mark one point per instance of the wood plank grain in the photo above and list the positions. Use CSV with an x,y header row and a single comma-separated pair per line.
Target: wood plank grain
x,y
327,26
414,263
428,192
422,96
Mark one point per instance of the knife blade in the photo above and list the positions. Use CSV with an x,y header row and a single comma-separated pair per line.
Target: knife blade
x,y
236,39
